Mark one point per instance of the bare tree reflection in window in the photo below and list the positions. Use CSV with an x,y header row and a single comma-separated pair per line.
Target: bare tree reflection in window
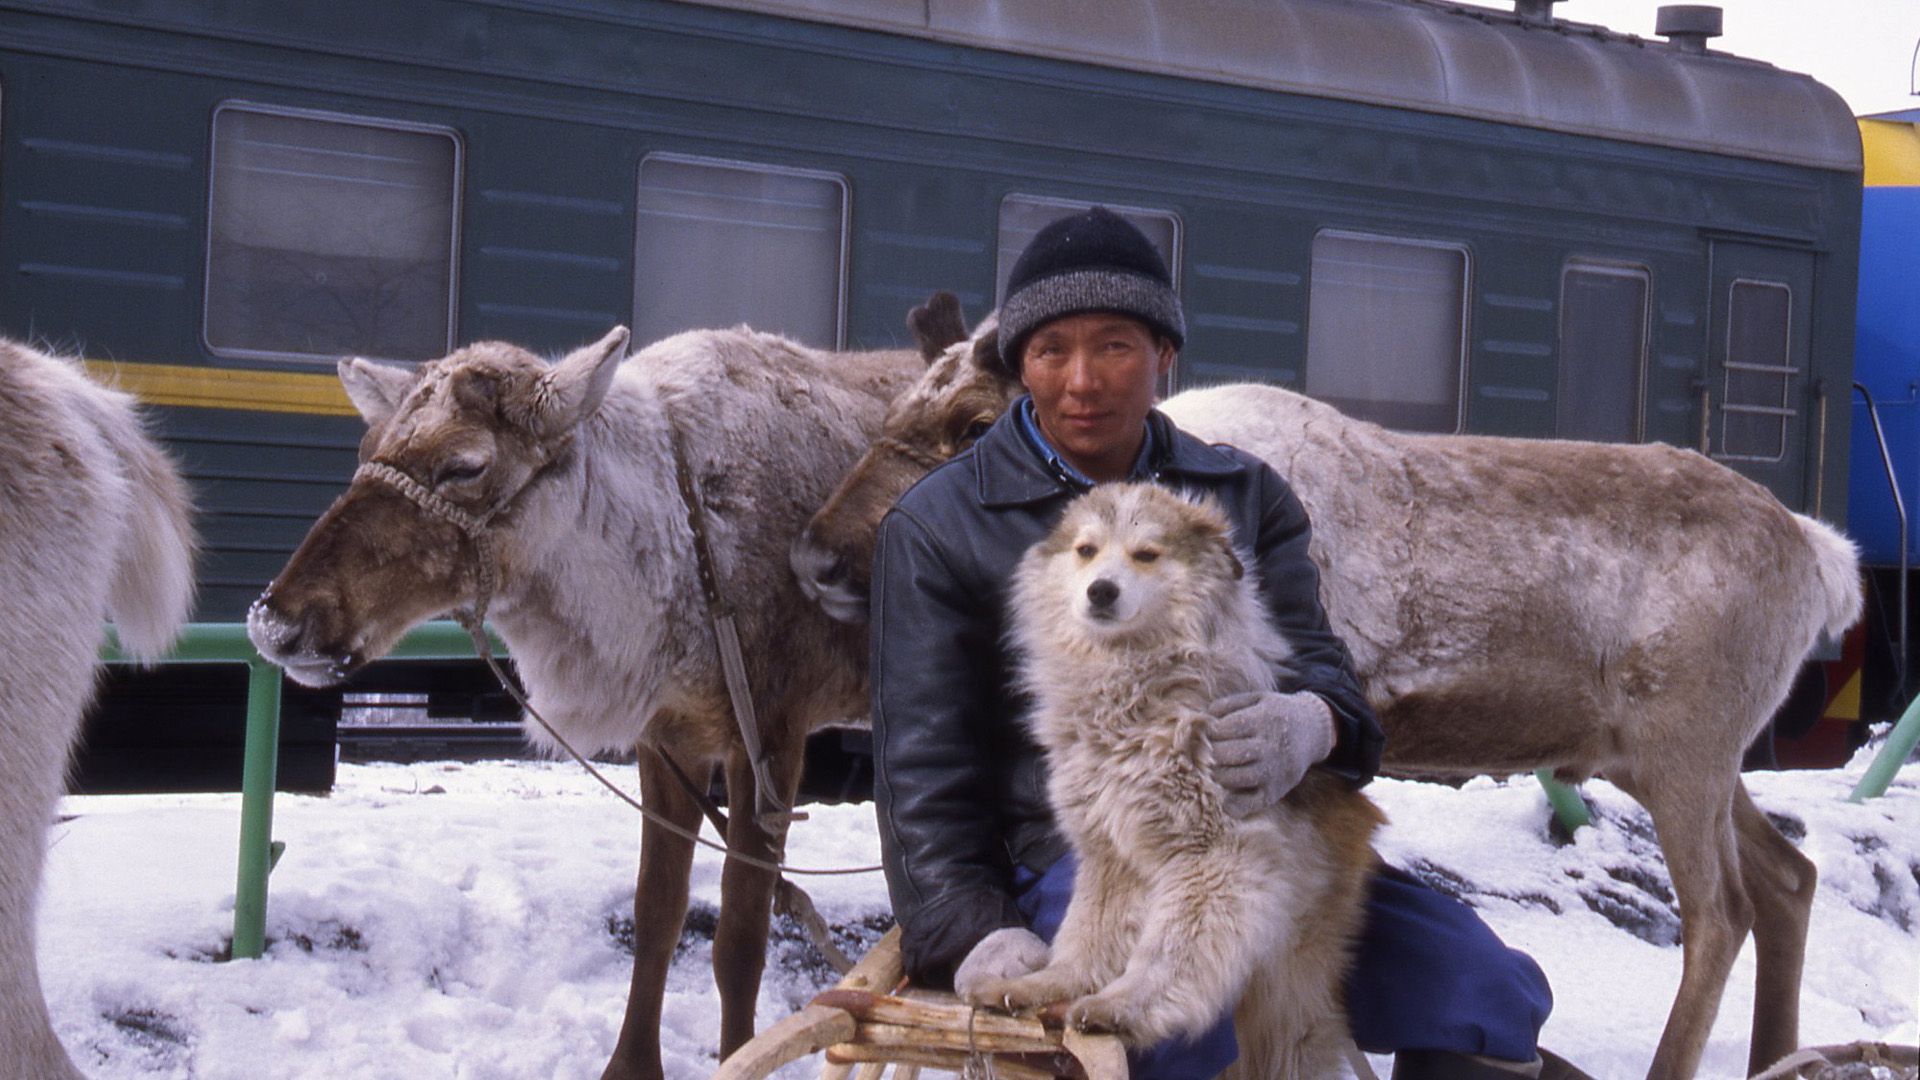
x,y
330,236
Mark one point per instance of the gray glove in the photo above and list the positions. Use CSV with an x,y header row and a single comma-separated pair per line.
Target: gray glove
x,y
1264,742
1007,953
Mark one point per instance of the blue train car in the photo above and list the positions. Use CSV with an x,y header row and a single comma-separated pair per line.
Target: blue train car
x,y
1876,679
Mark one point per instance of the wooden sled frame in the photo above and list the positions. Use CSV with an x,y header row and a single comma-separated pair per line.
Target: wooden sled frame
x,y
870,1020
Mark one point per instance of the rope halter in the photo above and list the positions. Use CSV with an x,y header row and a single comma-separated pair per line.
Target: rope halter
x,y
474,621
925,458
473,527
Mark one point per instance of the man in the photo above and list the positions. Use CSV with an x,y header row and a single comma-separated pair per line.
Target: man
x,y
974,862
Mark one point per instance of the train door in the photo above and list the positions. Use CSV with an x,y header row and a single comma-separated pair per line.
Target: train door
x,y
1758,406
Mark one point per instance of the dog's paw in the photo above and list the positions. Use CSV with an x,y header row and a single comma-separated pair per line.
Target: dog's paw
x,y
1106,1014
986,993
1015,995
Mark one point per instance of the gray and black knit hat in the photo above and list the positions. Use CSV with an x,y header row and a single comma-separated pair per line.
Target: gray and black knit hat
x,y
1091,261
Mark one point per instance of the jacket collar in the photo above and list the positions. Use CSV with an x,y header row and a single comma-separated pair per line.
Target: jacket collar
x,y
1011,472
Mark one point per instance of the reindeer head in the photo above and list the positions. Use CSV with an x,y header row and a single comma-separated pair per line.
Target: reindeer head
x,y
467,435
963,391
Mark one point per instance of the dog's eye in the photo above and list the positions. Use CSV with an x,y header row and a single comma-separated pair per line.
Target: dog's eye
x,y
975,430
1086,551
1145,555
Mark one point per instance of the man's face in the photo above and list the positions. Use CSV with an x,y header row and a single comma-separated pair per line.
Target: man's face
x,y
1092,377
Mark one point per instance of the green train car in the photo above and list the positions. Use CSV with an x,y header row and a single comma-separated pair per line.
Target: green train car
x,y
1440,216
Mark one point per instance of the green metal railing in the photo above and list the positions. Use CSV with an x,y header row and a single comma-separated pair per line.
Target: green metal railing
x,y
1567,803
1894,754
226,643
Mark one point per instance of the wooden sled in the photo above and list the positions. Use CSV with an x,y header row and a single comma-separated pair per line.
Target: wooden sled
x,y
871,1020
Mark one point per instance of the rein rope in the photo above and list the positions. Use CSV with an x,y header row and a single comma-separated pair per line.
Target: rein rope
x,y
910,452
473,621
726,634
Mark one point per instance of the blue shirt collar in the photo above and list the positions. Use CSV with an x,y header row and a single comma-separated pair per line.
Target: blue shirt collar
x,y
1030,427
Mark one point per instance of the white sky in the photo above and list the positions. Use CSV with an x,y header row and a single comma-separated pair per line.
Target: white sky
x,y
1861,48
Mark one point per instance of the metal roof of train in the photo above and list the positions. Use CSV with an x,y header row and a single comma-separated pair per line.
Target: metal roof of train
x,y
1449,58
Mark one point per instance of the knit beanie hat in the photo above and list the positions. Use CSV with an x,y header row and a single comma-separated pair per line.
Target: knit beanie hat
x,y
1091,261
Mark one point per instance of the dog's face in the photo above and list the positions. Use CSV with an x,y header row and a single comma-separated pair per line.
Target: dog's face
x,y
1127,559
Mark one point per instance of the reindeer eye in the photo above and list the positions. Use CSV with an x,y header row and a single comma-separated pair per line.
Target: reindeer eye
x,y
1145,555
459,470
1086,551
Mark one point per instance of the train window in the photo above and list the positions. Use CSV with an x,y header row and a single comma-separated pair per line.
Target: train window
x,y
1603,351
330,234
1755,408
1386,329
1023,215
726,242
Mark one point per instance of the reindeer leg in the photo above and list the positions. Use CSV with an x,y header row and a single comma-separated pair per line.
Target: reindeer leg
x,y
746,892
659,909
1693,816
1779,881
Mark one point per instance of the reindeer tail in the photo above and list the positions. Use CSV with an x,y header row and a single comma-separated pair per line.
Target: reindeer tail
x,y
152,591
1837,563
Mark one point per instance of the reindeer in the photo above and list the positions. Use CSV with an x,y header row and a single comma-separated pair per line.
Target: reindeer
x,y
94,523
1637,611
567,474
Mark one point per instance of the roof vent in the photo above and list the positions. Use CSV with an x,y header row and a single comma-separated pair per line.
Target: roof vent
x,y
1534,11
1688,26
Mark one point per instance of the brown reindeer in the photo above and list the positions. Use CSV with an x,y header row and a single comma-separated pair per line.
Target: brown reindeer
x,y
568,471
1637,611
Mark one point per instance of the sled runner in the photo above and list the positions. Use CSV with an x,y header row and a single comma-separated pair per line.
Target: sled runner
x,y
871,1020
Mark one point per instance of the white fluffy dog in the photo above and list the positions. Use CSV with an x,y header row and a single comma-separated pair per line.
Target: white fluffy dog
x,y
1132,617
94,521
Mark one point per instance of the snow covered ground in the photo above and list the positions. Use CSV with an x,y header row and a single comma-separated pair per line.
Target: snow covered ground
x,y
463,921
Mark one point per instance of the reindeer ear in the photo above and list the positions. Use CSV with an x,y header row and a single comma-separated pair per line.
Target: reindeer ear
x,y
375,389
937,325
576,386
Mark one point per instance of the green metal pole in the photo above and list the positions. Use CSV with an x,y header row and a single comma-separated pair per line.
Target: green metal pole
x,y
1567,804
208,643
256,809
1887,762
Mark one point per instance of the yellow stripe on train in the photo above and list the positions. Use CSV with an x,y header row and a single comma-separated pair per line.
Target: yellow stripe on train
x,y
225,388
1891,149
1845,704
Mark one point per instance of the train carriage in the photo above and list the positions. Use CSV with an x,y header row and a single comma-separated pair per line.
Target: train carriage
x,y
1873,680
1440,216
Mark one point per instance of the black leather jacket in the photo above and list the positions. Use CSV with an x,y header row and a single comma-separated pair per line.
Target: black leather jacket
x,y
960,786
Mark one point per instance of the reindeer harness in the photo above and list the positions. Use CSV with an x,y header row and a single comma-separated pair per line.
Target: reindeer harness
x,y
475,527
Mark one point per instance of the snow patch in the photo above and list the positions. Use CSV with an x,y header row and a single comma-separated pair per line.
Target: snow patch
x,y
475,921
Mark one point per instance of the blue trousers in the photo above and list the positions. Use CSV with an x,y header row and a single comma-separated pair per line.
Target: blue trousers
x,y
1428,975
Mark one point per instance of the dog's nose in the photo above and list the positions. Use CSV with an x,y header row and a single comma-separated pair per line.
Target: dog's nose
x,y
1102,593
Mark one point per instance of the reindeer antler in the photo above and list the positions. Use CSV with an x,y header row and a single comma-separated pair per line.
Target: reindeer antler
x,y
938,324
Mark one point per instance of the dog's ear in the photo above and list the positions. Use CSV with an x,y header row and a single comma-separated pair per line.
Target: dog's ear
x,y
1212,523
1233,558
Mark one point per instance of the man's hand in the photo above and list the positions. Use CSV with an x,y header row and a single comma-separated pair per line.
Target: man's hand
x,y
1264,742
1007,953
